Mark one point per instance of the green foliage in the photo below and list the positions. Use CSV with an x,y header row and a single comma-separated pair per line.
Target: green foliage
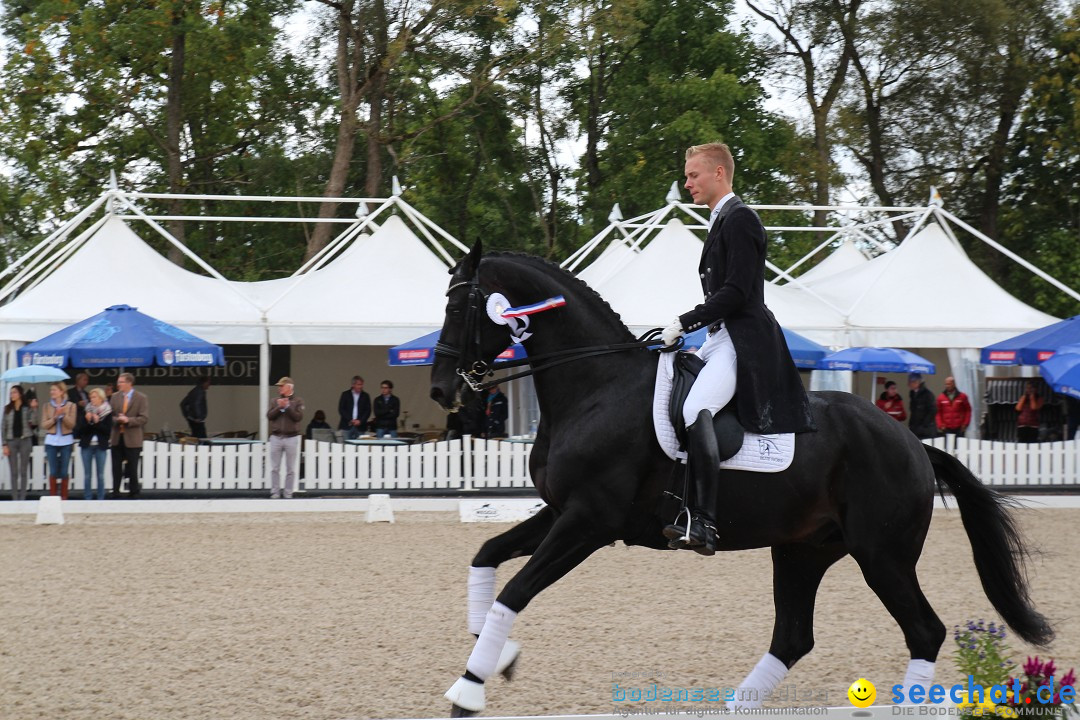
x,y
690,79
981,651
467,175
88,86
1041,218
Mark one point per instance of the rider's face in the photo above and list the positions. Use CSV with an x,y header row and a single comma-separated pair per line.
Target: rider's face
x,y
705,180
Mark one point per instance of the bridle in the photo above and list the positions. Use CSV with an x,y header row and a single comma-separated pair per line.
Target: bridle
x,y
472,368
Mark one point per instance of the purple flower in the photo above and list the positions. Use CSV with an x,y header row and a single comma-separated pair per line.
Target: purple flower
x,y
1069,678
1033,666
1049,668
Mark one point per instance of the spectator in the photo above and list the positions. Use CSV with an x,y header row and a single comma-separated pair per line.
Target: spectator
x,y
79,396
891,402
496,410
18,433
921,421
94,441
130,413
953,410
387,409
318,422
354,409
58,422
285,414
194,409
1027,418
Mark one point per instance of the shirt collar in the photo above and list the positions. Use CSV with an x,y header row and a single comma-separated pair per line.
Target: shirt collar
x,y
719,206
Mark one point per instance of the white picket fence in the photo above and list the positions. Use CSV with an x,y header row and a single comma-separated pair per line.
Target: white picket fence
x,y
1008,464
472,464
322,467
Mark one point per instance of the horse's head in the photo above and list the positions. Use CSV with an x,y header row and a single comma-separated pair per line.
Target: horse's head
x,y
469,341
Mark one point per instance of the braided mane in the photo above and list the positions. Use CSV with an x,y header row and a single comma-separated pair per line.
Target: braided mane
x,y
551,268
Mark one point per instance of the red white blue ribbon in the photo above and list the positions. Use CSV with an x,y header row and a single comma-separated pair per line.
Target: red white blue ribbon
x,y
517,318
549,304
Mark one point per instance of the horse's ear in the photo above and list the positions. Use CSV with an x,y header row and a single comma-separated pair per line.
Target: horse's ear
x,y
468,265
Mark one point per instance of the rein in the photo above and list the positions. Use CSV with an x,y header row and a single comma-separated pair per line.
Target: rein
x,y
474,373
646,340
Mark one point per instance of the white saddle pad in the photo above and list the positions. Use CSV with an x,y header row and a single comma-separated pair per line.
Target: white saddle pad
x,y
759,453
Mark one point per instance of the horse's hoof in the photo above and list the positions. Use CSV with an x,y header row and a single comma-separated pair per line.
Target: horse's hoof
x,y
456,712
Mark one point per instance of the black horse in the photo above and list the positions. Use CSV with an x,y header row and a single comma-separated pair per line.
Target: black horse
x,y
861,485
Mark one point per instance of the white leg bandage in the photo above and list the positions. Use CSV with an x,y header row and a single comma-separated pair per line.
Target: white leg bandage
x,y
762,680
919,672
485,655
481,596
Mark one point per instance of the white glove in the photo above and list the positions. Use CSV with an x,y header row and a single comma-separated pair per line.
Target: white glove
x,y
672,332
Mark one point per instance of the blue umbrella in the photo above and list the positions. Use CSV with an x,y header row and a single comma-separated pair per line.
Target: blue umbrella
x,y
805,352
421,351
877,359
1031,348
121,336
1062,370
33,374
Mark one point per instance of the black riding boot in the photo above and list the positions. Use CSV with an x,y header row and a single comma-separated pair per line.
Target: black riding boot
x,y
704,457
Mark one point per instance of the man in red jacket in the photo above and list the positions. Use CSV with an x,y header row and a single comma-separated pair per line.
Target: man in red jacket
x,y
953,410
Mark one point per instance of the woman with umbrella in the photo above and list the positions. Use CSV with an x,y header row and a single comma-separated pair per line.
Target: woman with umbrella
x,y
58,422
18,434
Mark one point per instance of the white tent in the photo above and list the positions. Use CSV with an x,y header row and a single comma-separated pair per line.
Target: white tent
x,y
385,290
376,290
615,256
925,293
115,266
845,257
658,284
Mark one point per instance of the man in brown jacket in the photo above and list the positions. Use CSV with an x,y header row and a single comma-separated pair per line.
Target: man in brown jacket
x,y
285,414
131,412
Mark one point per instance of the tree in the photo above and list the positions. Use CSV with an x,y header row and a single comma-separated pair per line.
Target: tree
x,y
939,85
689,79
817,54
177,95
1041,212
378,44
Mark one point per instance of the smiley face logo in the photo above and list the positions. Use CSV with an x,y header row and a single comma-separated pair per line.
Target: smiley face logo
x,y
862,693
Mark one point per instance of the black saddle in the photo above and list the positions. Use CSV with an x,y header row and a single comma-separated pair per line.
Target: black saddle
x,y
729,431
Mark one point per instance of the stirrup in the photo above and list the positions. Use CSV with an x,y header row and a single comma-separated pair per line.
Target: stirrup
x,y
679,535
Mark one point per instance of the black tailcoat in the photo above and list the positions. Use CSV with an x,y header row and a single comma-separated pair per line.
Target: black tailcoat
x,y
769,392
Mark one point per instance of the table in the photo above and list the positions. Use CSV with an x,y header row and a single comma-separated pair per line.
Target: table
x,y
525,439
229,441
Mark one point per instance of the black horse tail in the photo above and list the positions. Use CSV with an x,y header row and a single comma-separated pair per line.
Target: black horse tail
x,y
996,544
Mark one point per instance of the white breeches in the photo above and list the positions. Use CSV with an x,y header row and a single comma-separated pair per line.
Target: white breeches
x,y
715,385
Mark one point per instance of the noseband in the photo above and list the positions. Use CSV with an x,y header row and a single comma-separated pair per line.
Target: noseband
x,y
472,370
471,367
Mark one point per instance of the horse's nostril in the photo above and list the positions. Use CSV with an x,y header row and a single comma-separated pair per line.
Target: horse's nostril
x,y
436,394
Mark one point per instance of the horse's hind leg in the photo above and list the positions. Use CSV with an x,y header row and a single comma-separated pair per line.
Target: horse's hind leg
x,y
571,539
519,541
890,573
797,572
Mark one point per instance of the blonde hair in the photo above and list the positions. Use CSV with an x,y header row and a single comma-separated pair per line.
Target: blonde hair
x,y
100,392
718,152
59,384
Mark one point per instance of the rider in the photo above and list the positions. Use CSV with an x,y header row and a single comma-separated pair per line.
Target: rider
x,y
745,345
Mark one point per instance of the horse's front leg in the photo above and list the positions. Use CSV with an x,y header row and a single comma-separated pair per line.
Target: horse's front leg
x,y
571,538
519,541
